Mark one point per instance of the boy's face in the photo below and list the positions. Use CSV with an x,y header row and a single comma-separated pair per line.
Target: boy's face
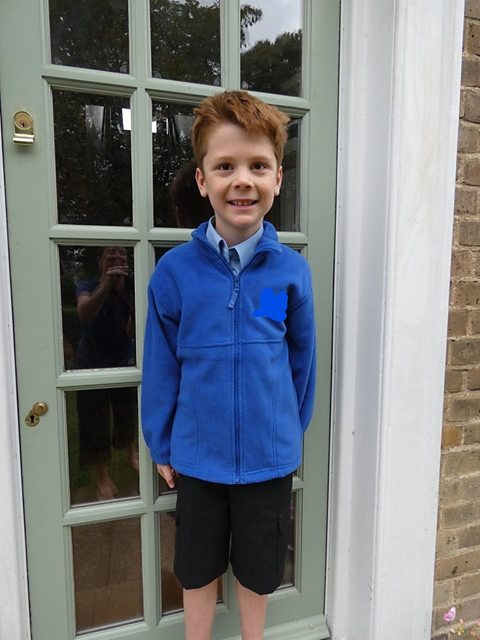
x,y
240,176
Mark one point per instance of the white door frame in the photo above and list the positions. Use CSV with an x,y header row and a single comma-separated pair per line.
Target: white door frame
x,y
399,93
14,615
399,97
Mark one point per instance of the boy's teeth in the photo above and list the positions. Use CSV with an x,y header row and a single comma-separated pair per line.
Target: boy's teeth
x,y
242,202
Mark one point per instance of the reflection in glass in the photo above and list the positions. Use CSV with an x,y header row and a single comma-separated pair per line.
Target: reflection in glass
x,y
288,579
185,37
177,201
91,35
271,47
98,306
107,573
93,159
285,213
102,444
190,207
172,597
159,252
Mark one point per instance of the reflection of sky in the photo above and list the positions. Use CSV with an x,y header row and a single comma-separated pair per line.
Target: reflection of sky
x,y
278,16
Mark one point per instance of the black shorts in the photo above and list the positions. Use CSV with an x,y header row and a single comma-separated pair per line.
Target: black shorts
x,y
247,524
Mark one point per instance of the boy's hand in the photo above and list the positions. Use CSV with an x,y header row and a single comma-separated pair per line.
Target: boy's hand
x,y
168,474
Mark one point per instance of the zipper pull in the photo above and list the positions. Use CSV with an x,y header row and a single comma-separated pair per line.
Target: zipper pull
x,y
234,297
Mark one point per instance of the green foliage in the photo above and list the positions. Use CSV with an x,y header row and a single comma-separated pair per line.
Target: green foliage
x,y
90,34
92,145
274,67
93,160
185,41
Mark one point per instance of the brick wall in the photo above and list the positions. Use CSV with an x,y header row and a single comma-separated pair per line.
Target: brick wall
x,y
457,579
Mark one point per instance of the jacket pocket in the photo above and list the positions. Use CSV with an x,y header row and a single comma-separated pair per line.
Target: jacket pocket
x,y
288,430
185,439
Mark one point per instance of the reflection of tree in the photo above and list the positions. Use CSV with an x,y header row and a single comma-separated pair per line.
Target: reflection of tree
x,y
186,39
92,146
92,153
284,213
171,151
90,33
274,67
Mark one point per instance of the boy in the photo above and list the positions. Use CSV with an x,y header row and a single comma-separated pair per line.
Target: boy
x,y
229,367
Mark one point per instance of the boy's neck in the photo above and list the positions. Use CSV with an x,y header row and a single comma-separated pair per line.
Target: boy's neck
x,y
232,238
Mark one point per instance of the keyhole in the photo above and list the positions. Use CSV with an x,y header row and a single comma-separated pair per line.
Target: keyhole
x,y
32,420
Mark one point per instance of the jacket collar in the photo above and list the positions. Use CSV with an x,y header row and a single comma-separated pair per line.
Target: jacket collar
x,y
268,241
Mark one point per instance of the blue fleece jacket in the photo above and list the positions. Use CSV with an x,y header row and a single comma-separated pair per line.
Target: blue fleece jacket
x,y
229,361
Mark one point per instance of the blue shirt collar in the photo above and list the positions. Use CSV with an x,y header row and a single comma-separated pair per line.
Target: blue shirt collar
x,y
245,249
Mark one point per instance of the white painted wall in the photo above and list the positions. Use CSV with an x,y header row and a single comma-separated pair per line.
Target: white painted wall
x,y
399,88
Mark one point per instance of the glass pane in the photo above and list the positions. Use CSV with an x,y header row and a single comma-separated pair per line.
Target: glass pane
x,y
92,34
172,598
177,201
102,444
172,595
285,213
98,306
189,207
107,567
271,46
288,579
93,159
186,40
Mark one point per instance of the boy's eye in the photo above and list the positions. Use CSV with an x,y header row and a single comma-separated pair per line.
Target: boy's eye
x,y
224,166
258,166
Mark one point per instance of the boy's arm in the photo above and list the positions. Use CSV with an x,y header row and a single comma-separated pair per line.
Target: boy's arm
x,y
302,354
160,379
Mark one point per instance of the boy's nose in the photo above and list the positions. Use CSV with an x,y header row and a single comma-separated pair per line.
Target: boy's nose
x,y
242,178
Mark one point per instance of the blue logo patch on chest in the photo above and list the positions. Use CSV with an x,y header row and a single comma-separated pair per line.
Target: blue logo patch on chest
x,y
272,305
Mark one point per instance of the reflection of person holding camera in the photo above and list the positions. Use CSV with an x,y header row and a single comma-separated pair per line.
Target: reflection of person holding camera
x,y
105,308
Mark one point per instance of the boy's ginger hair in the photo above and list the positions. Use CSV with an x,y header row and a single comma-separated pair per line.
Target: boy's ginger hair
x,y
244,110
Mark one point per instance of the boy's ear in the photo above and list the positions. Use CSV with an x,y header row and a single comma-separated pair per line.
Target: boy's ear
x,y
200,179
278,182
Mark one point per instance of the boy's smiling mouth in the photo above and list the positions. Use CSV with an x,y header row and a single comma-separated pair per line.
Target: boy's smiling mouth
x,y
242,203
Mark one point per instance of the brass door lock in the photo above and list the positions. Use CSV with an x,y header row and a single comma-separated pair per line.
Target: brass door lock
x,y
23,123
33,416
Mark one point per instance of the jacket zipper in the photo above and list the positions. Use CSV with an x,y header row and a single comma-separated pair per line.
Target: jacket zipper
x,y
236,390
236,287
231,305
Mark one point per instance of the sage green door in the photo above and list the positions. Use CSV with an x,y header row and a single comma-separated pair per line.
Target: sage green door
x,y
110,86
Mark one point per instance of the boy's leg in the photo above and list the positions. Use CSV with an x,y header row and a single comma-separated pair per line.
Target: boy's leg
x,y
261,514
252,613
201,550
199,605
